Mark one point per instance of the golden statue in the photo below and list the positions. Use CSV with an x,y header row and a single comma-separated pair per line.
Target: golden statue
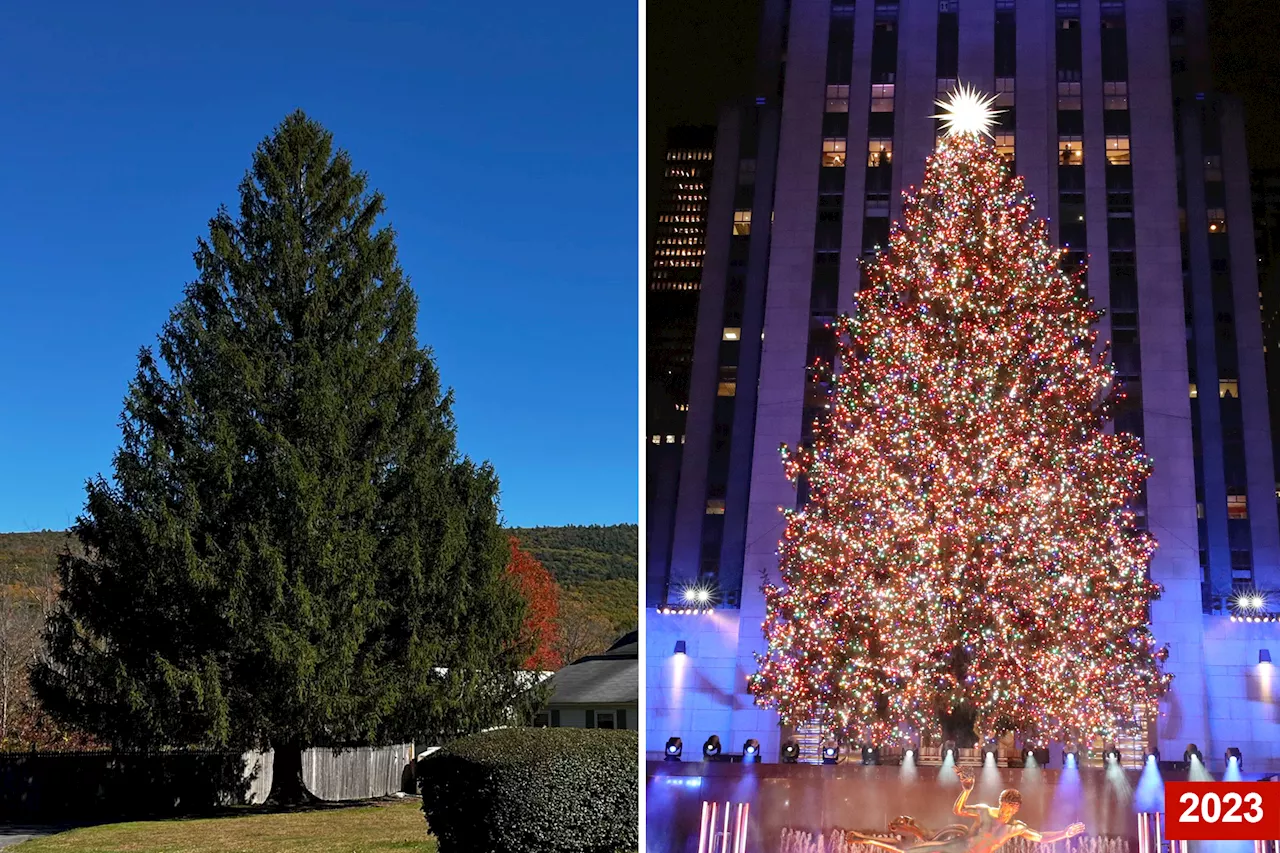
x,y
988,828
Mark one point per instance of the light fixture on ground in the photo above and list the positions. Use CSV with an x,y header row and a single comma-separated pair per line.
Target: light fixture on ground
x,y
1152,756
1233,754
1192,751
870,755
675,746
751,750
1070,754
711,748
1112,753
830,753
1032,752
949,750
790,752
990,751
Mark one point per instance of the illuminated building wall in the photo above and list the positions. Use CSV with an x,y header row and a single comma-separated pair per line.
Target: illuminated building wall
x,y
1141,170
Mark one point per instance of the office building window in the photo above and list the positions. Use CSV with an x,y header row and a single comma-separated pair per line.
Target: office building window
x,y
882,97
1193,390
1237,507
833,152
1228,389
732,333
1069,95
671,439
1217,220
945,85
1004,144
1115,95
1070,151
1004,91
838,99
742,222
879,152
715,506
1118,150
657,439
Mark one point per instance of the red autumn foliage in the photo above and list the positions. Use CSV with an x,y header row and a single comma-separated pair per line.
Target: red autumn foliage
x,y
540,590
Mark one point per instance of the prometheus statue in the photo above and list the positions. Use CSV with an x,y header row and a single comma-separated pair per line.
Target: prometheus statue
x,y
988,827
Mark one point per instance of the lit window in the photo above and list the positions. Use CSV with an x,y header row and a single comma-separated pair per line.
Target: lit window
x,y
1070,151
882,98
1069,95
732,333
1228,388
1237,506
837,99
715,507
1004,144
879,152
833,152
1115,96
657,439
1217,220
671,439
741,222
1193,390
1199,510
727,389
1004,91
1118,150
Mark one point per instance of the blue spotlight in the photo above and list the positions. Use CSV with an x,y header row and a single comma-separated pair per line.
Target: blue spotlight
x,y
751,751
1192,751
830,753
790,752
711,749
1233,754
991,751
949,750
675,746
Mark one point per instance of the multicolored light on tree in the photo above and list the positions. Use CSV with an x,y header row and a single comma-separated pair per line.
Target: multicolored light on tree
x,y
966,544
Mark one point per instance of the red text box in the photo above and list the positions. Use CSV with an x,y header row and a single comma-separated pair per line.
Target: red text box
x,y
1222,811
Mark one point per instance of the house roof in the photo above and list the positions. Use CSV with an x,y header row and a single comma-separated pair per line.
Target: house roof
x,y
611,678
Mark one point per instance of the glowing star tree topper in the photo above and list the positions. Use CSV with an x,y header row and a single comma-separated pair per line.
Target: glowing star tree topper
x,y
967,551
965,110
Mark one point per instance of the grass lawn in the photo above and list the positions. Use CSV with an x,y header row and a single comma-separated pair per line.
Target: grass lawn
x,y
397,826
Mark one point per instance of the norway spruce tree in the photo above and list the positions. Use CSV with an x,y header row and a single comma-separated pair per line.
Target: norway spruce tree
x,y
292,550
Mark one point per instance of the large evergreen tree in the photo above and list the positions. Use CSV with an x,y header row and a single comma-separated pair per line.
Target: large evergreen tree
x,y
292,551
967,550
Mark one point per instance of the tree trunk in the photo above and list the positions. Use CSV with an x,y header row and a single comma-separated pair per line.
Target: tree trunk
x,y
287,787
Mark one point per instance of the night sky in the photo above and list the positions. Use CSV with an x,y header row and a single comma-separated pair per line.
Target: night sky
x,y
701,54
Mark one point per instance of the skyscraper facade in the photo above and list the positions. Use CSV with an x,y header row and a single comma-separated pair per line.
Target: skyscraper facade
x,y
1107,110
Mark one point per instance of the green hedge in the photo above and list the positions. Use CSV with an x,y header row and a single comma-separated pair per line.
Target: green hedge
x,y
535,791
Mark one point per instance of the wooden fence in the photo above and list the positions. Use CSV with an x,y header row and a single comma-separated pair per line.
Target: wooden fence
x,y
105,784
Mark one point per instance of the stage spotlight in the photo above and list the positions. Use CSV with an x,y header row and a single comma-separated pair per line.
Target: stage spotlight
x,y
751,750
1070,755
790,752
949,750
1039,753
830,753
1191,752
1234,754
711,748
1152,756
1112,753
910,754
675,746
870,755
992,751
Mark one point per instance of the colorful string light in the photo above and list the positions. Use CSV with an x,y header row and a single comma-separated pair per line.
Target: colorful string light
x,y
967,542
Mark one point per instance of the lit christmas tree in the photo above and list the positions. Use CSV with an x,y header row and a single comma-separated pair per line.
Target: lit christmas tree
x,y
966,551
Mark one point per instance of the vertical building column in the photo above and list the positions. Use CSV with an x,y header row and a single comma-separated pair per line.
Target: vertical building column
x,y
783,355
855,179
686,538
1037,104
1095,166
913,129
978,44
1171,511
1263,526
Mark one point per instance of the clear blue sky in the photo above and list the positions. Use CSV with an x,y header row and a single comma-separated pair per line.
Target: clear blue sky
x,y
503,134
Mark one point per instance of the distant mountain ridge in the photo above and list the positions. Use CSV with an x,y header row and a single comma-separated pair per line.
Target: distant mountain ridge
x,y
576,555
